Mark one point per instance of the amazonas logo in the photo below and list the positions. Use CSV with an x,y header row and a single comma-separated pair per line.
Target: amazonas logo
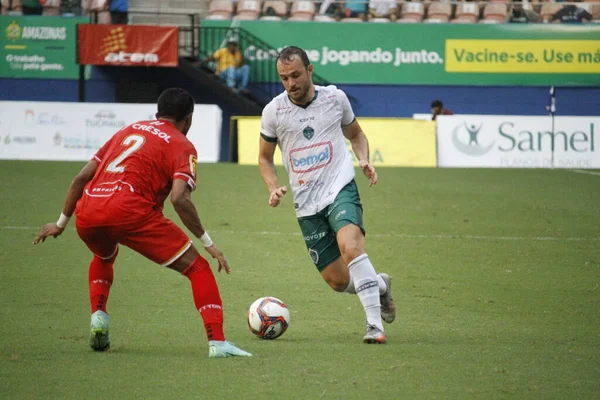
x,y
310,158
466,139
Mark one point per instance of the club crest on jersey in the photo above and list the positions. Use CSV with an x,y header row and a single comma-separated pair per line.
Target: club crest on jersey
x,y
308,132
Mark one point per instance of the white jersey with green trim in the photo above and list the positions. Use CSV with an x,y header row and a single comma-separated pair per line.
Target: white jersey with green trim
x,y
312,145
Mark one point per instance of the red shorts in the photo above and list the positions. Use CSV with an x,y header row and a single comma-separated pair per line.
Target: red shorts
x,y
157,239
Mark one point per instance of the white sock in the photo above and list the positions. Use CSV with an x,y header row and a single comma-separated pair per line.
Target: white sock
x,y
367,288
352,290
382,285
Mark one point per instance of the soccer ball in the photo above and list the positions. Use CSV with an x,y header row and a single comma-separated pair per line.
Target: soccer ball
x,y
268,318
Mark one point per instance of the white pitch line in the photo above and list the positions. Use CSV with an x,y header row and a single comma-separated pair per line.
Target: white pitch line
x,y
583,171
384,235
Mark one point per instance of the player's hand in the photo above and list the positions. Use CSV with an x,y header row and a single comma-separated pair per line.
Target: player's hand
x,y
218,255
276,195
369,172
48,230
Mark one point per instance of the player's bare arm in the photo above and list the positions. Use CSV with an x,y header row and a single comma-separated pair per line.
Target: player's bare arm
x,y
73,195
360,146
181,198
268,172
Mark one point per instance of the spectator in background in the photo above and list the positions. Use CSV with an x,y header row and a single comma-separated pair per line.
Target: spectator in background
x,y
383,9
231,67
571,14
328,7
437,108
118,11
521,15
31,7
69,8
354,9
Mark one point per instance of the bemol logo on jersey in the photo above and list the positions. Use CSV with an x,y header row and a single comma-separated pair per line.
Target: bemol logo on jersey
x,y
310,158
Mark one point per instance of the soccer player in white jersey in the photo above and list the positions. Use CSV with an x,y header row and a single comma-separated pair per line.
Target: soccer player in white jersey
x,y
309,124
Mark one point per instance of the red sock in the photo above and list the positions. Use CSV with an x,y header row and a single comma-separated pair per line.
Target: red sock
x,y
100,280
206,297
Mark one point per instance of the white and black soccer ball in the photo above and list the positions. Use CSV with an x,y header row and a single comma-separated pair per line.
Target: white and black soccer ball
x,y
268,318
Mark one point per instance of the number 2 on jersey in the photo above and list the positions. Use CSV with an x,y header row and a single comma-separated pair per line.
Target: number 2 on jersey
x,y
133,143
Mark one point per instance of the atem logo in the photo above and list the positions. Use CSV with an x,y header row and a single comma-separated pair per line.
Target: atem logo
x,y
124,57
310,158
114,48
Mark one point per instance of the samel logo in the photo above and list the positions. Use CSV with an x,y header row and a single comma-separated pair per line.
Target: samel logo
x,y
310,158
114,49
466,139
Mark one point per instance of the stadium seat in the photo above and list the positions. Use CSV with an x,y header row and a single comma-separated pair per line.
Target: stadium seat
x,y
495,12
88,6
220,9
412,12
16,8
247,10
351,20
279,6
593,7
466,13
322,18
379,20
548,9
50,7
439,12
303,11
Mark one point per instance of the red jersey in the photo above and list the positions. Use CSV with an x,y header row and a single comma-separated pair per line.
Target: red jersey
x,y
137,167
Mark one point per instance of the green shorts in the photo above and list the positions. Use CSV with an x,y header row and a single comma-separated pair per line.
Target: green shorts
x,y
320,230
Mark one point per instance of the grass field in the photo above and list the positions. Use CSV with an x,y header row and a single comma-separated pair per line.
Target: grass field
x,y
496,279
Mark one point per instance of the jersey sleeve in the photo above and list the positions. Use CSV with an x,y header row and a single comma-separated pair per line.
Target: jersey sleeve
x,y
101,154
184,166
347,113
268,123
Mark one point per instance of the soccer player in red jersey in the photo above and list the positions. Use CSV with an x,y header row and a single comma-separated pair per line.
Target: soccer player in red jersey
x,y
118,198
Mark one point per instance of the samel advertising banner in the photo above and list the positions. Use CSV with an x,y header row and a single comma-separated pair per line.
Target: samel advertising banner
x,y
43,48
505,141
75,131
392,142
428,54
128,45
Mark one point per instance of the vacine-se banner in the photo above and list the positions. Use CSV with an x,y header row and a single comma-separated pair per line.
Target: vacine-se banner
x,y
505,141
421,54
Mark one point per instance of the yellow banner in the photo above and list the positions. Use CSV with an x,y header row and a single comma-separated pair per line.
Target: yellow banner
x,y
526,56
392,142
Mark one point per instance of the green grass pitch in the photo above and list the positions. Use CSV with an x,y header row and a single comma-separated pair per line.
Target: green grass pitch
x,y
496,280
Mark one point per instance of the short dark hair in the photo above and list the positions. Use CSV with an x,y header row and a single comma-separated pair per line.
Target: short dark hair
x,y
289,52
437,103
175,103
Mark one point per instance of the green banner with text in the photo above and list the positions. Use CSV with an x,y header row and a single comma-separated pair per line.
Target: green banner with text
x,y
39,47
437,54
